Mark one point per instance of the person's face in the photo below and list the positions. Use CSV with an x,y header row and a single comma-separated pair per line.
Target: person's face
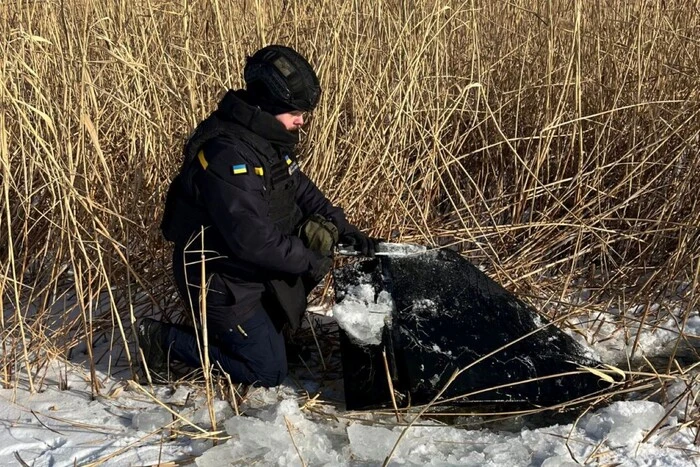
x,y
292,121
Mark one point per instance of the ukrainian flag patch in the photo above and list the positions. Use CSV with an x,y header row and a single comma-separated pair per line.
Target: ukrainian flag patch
x,y
239,169
289,161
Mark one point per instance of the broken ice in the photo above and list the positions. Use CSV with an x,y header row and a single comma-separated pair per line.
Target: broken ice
x,y
280,436
361,316
151,420
624,423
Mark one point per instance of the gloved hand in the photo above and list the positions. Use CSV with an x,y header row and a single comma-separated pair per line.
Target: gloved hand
x,y
320,267
319,234
363,244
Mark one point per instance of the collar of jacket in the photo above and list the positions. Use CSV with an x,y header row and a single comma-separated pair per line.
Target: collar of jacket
x,y
235,107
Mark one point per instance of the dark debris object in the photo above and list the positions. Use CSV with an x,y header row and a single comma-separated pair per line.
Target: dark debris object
x,y
448,316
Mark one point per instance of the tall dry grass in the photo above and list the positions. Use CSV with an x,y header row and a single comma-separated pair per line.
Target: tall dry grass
x,y
556,143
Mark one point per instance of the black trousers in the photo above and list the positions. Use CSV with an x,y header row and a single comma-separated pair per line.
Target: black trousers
x,y
246,343
254,354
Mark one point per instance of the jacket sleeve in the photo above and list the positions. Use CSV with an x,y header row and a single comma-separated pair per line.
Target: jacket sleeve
x,y
311,201
240,212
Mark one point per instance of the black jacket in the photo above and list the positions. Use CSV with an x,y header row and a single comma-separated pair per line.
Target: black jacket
x,y
240,181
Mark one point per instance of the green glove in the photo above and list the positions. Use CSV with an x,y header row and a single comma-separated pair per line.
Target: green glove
x,y
319,234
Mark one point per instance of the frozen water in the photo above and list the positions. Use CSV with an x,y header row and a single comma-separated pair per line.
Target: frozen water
x,y
624,423
152,419
693,325
361,316
436,445
371,442
510,452
274,423
180,396
270,439
400,249
560,461
222,411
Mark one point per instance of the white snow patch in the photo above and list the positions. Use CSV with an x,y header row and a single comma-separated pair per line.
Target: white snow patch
x,y
425,305
361,316
624,423
276,430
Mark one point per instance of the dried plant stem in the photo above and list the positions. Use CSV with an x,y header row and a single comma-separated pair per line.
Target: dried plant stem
x,y
390,384
206,364
318,346
233,394
202,431
294,443
421,413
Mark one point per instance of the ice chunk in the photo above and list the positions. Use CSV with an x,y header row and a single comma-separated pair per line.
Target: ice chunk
x,y
399,249
361,316
222,411
507,453
436,445
280,436
180,396
693,326
624,423
152,419
560,461
371,443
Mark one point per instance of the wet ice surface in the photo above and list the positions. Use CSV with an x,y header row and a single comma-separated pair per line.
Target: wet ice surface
x,y
151,419
400,249
362,315
276,436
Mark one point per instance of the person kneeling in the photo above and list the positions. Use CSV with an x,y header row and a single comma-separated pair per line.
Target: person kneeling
x,y
265,232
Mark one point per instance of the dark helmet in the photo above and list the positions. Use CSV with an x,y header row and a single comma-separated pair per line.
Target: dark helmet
x,y
281,80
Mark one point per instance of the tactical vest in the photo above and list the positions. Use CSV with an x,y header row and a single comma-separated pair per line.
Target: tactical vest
x,y
278,178
280,182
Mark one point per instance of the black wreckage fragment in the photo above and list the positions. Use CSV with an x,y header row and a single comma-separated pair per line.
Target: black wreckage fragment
x,y
450,316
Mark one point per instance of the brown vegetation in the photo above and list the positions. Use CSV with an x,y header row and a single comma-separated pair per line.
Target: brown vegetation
x,y
556,143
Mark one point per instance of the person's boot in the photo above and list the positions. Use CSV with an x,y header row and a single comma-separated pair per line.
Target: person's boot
x,y
152,335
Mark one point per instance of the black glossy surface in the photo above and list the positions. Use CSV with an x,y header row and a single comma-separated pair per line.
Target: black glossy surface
x,y
448,316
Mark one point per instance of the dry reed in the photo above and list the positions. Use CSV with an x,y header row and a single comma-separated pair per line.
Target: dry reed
x,y
555,143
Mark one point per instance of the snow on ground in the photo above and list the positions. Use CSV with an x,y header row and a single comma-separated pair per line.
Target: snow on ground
x,y
56,427
611,342
282,426
282,434
303,422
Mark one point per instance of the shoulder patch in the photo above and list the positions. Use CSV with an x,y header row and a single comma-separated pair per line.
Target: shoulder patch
x,y
293,168
239,169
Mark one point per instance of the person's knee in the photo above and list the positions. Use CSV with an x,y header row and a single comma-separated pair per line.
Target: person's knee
x,y
272,373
